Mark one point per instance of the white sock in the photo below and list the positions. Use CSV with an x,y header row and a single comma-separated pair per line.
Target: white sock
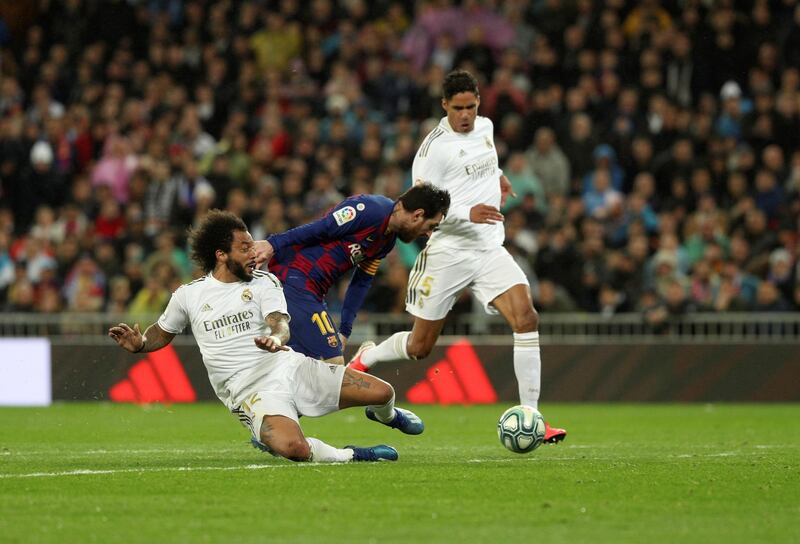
x,y
528,367
391,349
385,413
323,453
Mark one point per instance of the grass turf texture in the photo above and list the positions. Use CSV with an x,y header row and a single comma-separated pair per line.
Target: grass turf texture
x,y
185,473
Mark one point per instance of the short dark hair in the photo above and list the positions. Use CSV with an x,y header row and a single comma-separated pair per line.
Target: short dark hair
x,y
459,81
426,197
214,232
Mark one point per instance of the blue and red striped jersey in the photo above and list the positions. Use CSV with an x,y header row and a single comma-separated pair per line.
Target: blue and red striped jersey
x,y
313,257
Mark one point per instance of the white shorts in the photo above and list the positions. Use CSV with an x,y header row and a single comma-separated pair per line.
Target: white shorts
x,y
440,274
299,386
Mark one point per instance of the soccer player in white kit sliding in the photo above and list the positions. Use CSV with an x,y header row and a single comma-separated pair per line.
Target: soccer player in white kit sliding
x,y
238,316
467,250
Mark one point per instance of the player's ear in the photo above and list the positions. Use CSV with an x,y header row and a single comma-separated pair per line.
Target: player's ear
x,y
221,255
444,104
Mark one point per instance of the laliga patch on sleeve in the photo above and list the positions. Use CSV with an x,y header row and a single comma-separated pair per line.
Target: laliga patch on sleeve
x,y
344,215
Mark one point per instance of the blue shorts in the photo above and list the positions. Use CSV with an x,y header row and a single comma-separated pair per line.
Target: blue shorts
x,y
313,332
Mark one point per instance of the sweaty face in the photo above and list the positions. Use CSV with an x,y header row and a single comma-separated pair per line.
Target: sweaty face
x,y
462,108
418,226
242,256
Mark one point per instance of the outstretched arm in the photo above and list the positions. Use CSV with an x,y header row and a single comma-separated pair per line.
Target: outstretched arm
x,y
342,220
356,293
279,326
132,340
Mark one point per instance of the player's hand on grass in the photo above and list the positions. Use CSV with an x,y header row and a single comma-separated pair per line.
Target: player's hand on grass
x,y
271,344
264,252
483,213
126,337
506,190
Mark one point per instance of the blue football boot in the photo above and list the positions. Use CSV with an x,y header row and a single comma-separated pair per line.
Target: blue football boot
x,y
381,452
407,421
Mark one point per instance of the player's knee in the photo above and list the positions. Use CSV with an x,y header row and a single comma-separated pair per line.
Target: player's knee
x,y
528,321
417,349
385,393
296,449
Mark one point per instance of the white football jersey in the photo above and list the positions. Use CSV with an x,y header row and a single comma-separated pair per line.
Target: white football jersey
x,y
225,318
466,165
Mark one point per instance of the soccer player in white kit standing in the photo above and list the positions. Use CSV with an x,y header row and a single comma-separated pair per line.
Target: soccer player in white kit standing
x,y
238,316
467,250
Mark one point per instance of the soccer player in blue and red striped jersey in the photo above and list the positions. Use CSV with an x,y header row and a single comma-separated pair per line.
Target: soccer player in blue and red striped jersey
x,y
357,233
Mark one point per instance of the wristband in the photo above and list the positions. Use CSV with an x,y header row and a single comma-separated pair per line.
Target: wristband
x,y
144,341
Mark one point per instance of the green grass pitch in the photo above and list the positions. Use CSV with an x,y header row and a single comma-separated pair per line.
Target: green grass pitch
x,y
185,473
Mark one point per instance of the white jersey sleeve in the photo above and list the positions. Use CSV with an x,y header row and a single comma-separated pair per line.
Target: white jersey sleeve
x,y
175,316
271,297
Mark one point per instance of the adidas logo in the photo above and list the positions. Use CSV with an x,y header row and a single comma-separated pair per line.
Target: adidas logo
x,y
462,153
458,379
205,308
158,378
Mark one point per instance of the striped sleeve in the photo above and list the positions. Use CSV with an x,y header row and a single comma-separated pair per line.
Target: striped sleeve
x,y
370,266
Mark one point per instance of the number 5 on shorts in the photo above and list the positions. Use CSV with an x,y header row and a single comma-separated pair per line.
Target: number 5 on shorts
x,y
321,320
426,285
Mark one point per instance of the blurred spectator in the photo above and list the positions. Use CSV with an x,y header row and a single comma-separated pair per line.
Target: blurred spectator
x,y
523,181
549,164
115,167
149,301
769,299
552,298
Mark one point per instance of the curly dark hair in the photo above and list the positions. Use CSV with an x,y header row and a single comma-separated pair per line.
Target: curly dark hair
x,y
426,197
459,81
214,232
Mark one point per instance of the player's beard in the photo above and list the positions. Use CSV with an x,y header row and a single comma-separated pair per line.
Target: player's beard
x,y
238,270
407,236
410,234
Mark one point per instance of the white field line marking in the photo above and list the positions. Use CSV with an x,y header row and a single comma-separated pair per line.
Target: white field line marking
x,y
86,453
92,472
534,457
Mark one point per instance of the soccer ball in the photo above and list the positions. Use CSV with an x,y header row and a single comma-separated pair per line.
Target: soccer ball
x,y
521,429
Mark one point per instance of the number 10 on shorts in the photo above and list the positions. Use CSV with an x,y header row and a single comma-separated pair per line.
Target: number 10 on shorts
x,y
321,320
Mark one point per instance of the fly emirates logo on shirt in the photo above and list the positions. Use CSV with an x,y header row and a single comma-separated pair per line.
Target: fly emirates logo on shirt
x,y
229,325
481,169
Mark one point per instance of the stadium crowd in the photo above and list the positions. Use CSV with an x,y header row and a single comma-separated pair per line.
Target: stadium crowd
x,y
654,146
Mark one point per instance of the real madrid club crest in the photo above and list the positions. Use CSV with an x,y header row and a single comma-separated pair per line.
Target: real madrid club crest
x,y
247,295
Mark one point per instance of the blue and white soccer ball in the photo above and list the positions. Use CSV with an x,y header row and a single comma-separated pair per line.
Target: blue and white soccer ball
x,y
521,429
